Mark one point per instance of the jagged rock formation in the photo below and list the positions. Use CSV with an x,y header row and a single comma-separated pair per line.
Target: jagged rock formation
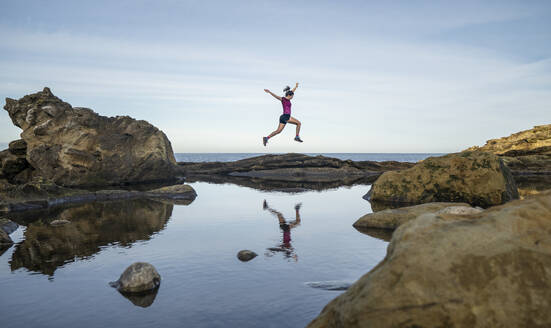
x,y
78,147
525,153
527,142
476,178
292,168
490,269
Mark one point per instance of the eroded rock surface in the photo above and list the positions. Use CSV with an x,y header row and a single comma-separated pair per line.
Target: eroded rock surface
x,y
476,178
392,218
491,269
75,146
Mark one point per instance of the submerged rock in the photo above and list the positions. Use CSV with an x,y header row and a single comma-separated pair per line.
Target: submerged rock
x,y
78,147
329,285
246,255
137,278
489,269
392,218
476,178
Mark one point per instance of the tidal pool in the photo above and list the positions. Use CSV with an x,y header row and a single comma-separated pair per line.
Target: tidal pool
x,y
58,275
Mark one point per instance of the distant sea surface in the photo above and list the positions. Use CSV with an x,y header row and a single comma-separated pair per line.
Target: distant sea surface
x,y
228,157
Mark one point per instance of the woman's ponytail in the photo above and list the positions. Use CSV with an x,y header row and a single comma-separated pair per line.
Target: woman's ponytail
x,y
288,91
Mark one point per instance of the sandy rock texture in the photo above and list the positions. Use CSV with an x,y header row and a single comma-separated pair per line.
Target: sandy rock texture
x,y
75,146
473,177
491,269
392,218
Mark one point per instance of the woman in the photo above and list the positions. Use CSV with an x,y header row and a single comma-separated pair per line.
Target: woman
x,y
286,117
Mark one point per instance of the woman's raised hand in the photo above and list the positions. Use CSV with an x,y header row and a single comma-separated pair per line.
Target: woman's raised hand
x,y
296,86
266,90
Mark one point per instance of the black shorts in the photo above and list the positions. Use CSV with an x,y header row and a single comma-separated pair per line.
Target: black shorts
x,y
284,118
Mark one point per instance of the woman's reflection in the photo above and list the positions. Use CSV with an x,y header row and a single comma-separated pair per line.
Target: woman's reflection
x,y
285,247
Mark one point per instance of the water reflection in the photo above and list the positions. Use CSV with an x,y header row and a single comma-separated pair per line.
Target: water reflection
x,y
290,186
285,246
92,225
142,299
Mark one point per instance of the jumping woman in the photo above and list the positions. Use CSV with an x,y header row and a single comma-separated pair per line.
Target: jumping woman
x,y
286,117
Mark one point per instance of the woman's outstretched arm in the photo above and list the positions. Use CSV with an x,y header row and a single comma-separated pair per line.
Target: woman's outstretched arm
x,y
276,96
295,88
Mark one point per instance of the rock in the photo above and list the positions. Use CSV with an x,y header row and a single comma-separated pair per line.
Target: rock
x,y
12,165
137,278
392,218
246,255
8,225
18,147
460,210
329,285
78,147
5,238
476,178
526,153
59,222
181,191
528,142
291,168
42,194
490,269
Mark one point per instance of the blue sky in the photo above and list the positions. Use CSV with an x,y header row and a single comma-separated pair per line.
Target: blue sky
x,y
375,76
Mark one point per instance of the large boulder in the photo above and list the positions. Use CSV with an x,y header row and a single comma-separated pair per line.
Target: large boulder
x,y
473,177
76,146
491,269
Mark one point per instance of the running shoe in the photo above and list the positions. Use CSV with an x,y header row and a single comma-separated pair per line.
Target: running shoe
x,y
264,140
297,138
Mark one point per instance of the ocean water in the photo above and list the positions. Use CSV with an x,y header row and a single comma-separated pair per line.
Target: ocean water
x,y
227,157
58,276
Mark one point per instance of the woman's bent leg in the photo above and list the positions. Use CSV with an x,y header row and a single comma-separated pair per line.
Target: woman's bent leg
x,y
296,122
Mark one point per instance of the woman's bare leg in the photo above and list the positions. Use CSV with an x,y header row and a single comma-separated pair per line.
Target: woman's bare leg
x,y
296,122
277,131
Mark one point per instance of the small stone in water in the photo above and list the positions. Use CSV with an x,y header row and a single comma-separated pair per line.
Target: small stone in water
x,y
138,277
246,255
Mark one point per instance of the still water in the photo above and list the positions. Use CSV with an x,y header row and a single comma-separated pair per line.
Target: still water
x,y
58,276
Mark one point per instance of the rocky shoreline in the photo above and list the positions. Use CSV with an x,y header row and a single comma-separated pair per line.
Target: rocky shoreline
x,y
469,241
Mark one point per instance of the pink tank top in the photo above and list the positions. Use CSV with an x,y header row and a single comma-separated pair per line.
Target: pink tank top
x,y
286,105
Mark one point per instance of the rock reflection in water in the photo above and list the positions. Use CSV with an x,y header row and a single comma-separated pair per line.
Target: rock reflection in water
x,y
93,225
142,299
382,234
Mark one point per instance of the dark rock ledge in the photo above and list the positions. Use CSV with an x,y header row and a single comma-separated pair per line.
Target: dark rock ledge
x,y
289,172
38,195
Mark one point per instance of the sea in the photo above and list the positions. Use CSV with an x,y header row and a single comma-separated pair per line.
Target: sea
x,y
307,250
